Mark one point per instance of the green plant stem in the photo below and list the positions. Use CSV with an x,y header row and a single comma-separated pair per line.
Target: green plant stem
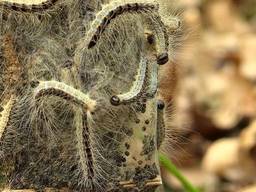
x,y
165,162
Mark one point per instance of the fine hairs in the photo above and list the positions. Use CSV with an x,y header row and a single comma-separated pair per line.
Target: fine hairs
x,y
78,90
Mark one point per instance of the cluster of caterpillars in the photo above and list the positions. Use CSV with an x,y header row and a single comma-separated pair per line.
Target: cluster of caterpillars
x,y
144,86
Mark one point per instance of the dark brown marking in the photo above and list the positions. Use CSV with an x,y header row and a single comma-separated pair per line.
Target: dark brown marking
x,y
137,121
87,148
127,153
127,145
151,38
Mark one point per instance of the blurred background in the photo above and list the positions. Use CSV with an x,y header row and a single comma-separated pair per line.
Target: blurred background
x,y
211,94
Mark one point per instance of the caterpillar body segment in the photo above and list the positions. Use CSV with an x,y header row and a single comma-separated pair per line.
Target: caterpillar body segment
x,y
153,80
110,12
160,123
85,150
28,7
65,91
5,111
161,37
138,87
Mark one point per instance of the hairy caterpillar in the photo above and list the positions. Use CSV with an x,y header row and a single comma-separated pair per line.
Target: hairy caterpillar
x,y
111,11
162,39
153,83
160,123
4,114
138,87
65,91
85,153
28,7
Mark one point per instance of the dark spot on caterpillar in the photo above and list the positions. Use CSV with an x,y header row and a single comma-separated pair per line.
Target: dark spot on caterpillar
x,y
127,145
140,162
93,42
1,108
123,159
119,10
144,100
127,153
162,59
120,159
137,121
147,121
34,84
143,108
68,64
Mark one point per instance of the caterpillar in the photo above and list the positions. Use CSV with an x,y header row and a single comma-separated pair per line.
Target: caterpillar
x,y
65,91
85,153
28,7
153,84
5,114
160,123
110,12
162,38
138,87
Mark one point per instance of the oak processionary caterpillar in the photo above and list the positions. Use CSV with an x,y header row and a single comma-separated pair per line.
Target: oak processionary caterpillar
x,y
4,115
81,119
28,7
138,87
111,11
85,153
153,82
162,39
65,91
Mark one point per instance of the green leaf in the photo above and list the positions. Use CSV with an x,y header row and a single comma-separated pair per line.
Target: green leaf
x,y
165,162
